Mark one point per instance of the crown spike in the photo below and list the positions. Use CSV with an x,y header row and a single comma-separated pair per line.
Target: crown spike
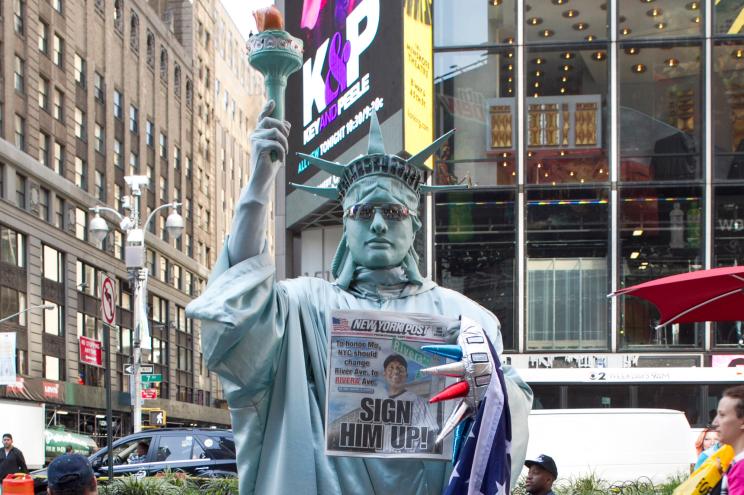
x,y
332,168
376,145
326,192
419,159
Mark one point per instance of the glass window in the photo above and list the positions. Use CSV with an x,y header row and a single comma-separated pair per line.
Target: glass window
x,y
118,101
45,142
79,70
53,264
662,20
660,234
163,146
133,118
19,15
593,396
44,204
58,47
52,368
133,163
59,212
59,158
54,319
567,235
176,157
728,114
43,93
126,453
59,105
100,138
19,74
685,398
20,132
81,223
149,130
118,161
546,396
559,21
12,247
727,16
12,302
217,447
43,37
81,173
174,448
98,86
57,5
566,112
728,249
475,91
100,186
21,191
80,131
475,251
660,112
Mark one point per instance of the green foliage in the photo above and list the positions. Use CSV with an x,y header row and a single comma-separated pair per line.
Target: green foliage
x,y
594,485
169,483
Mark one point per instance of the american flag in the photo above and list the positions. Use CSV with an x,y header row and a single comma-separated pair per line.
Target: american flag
x,y
340,324
483,465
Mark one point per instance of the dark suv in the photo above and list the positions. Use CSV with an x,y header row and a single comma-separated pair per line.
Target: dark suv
x,y
198,452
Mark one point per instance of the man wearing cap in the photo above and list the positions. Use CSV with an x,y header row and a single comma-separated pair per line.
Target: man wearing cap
x,y
11,458
268,339
71,474
541,475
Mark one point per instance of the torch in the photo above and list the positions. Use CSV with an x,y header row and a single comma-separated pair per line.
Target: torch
x,y
274,53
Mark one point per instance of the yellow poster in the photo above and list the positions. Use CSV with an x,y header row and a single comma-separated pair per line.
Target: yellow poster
x,y
418,99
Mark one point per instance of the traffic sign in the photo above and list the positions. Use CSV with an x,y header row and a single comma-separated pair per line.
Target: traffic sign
x,y
152,378
145,369
158,418
149,393
107,290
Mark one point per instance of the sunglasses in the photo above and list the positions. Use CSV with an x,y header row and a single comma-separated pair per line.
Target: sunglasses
x,y
389,211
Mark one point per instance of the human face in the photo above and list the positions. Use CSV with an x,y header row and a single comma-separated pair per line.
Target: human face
x,y
730,428
379,242
395,375
538,481
711,437
7,442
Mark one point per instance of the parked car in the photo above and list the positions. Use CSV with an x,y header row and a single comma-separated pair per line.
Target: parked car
x,y
198,452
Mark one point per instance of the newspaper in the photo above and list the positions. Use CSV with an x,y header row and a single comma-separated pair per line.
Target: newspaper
x,y
377,398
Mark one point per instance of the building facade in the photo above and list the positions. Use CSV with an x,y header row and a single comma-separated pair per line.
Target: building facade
x,y
602,142
93,92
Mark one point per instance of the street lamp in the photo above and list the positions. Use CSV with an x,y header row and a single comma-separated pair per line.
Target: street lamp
x,y
45,306
135,259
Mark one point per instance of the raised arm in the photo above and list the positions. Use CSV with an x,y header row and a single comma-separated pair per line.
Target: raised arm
x,y
248,232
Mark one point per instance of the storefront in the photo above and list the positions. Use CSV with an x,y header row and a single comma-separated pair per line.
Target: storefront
x,y
603,143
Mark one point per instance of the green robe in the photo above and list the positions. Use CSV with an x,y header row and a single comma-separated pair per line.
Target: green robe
x,y
268,342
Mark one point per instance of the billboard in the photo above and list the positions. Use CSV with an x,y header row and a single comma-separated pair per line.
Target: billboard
x,y
356,61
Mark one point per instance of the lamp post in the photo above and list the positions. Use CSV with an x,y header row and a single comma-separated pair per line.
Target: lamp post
x,y
10,317
135,259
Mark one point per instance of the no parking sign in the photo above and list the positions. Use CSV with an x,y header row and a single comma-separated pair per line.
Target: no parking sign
x,y
108,299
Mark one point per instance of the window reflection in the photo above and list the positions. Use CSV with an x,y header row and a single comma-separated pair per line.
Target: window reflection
x,y
566,116
728,17
565,21
660,113
662,19
728,111
475,94
567,269
728,249
660,234
474,22
474,246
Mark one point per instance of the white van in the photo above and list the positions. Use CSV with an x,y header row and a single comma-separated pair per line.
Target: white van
x,y
616,445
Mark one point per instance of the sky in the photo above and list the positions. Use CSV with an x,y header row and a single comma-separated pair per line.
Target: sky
x,y
241,12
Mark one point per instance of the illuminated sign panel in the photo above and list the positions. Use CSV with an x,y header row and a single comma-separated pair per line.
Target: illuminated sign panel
x,y
356,61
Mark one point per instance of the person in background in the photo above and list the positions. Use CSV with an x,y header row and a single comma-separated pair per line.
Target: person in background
x,y
706,445
730,425
11,458
541,475
140,455
68,449
71,474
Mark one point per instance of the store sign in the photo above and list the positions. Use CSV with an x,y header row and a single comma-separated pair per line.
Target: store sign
x,y
418,77
91,351
51,390
149,393
7,358
352,67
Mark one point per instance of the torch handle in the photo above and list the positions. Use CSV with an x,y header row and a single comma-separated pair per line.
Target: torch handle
x,y
275,88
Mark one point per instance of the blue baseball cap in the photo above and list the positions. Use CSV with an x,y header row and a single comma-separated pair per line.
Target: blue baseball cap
x,y
69,471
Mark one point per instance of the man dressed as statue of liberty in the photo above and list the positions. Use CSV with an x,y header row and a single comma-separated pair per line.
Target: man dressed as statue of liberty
x,y
268,340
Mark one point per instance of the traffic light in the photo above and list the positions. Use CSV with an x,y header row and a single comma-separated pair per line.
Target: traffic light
x,y
157,418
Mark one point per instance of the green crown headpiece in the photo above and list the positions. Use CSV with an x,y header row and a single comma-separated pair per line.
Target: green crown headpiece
x,y
411,172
